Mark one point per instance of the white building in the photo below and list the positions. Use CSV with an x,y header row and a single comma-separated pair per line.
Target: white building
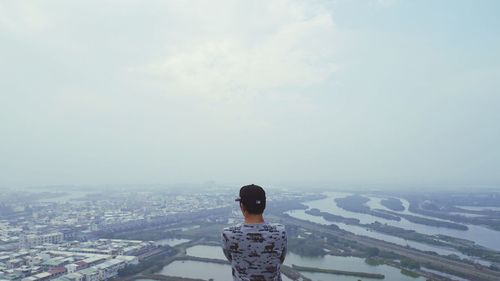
x,y
32,240
71,267
109,269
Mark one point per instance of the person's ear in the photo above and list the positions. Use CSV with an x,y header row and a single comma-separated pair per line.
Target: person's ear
x,y
242,208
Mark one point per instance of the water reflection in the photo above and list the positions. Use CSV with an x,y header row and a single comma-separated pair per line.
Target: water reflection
x,y
204,251
201,270
300,214
329,262
481,235
345,263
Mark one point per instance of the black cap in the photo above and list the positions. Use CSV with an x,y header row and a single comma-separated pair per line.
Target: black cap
x,y
253,197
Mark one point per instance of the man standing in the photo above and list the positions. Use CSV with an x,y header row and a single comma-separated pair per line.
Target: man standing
x,y
256,249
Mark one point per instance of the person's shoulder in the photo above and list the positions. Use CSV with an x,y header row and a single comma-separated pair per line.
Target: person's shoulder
x,y
232,229
275,227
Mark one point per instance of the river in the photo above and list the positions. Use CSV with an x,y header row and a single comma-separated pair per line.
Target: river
x,y
223,272
171,242
348,264
479,234
300,214
196,269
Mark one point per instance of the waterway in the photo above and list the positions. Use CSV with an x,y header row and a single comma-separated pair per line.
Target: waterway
x,y
171,242
479,234
300,214
223,272
348,264
480,208
359,230
452,277
196,269
202,270
204,251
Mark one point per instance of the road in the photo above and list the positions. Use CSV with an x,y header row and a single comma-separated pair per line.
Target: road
x,y
456,267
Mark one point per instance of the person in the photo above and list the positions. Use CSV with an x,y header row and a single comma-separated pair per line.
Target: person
x,y
256,249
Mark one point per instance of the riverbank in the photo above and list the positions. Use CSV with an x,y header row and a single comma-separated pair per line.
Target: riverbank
x,y
440,263
339,272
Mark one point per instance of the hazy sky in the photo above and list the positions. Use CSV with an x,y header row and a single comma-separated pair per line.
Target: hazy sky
x,y
378,92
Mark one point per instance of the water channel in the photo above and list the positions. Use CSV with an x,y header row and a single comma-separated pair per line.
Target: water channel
x,y
194,269
479,234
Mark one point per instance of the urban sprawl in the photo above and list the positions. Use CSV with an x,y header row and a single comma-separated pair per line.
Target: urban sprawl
x,y
51,239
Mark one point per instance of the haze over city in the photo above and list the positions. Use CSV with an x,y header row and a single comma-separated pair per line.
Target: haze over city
x,y
280,140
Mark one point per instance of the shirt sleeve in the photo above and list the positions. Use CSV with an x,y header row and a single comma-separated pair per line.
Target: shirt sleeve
x,y
285,246
225,248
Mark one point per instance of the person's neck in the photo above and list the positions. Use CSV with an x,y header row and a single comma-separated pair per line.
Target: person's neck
x,y
250,219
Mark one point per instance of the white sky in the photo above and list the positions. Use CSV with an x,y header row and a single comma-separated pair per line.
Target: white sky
x,y
360,92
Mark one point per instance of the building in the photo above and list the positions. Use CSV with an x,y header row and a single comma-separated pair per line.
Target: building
x,y
32,240
110,268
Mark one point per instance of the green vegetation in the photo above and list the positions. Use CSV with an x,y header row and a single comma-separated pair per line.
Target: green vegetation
x,y
431,222
409,273
373,251
393,204
389,255
200,259
354,203
494,267
339,272
207,231
306,247
279,207
405,233
445,269
374,261
481,252
409,263
330,217
440,209
357,204
440,240
292,273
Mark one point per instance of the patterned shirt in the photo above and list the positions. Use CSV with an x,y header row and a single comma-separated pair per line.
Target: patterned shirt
x,y
256,251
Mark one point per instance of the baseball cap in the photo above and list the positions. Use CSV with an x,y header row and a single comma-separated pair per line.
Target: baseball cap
x,y
252,196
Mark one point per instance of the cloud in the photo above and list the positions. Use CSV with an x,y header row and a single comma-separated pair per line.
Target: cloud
x,y
384,3
296,53
22,17
133,91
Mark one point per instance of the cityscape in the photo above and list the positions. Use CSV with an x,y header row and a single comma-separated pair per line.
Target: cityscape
x,y
45,237
159,232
